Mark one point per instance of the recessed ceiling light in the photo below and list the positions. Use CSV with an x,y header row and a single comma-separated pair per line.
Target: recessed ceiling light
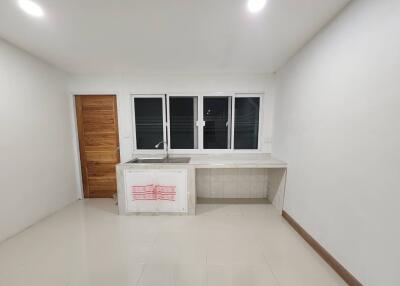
x,y
31,8
255,6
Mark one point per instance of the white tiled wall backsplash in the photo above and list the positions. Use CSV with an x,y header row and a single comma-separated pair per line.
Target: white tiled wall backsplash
x,y
232,183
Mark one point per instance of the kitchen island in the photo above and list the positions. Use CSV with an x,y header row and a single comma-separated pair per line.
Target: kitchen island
x,y
173,188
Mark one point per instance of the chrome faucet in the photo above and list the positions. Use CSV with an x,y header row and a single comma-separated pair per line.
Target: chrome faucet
x,y
166,147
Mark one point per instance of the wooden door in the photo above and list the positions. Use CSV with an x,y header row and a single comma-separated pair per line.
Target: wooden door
x,y
98,143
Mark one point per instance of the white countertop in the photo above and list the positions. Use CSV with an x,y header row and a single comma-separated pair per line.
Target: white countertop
x,y
224,161
237,161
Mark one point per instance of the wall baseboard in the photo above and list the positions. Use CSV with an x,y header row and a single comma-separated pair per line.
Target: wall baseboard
x,y
336,266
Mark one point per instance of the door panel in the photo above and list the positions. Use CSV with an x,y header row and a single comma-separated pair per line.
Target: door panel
x,y
156,190
103,141
98,143
102,156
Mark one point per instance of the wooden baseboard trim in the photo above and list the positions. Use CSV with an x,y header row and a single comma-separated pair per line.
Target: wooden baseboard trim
x,y
339,269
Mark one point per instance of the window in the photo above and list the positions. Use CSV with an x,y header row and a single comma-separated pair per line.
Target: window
x,y
183,122
148,122
197,123
217,117
247,111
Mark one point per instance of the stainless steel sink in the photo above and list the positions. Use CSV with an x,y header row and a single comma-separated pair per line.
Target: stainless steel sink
x,y
160,160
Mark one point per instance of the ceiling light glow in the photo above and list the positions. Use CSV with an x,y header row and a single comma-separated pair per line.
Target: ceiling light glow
x,y
255,6
31,8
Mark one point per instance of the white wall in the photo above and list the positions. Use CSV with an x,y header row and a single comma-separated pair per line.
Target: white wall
x,y
125,85
338,127
36,156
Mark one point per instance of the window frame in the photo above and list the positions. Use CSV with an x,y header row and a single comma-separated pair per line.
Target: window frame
x,y
203,123
148,151
183,151
200,123
260,119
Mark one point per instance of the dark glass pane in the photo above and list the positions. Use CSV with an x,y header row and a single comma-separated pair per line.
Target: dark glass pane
x,y
246,122
216,117
183,115
149,122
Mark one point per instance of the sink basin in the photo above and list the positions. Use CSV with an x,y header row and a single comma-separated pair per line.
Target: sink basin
x,y
149,160
160,160
177,160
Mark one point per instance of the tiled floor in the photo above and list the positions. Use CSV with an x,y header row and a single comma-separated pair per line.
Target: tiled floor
x,y
88,244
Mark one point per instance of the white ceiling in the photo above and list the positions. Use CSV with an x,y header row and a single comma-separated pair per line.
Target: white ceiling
x,y
109,36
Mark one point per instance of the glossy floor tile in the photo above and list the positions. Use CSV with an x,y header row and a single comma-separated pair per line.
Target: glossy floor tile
x,y
88,244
